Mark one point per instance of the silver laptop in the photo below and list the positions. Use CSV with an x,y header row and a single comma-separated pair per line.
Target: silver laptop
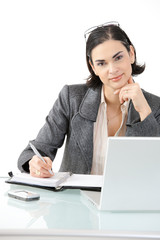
x,y
131,180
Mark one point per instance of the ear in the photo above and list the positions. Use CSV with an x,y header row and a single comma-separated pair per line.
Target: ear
x,y
132,54
93,68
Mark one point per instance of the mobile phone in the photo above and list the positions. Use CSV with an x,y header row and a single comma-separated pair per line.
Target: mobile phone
x,y
24,195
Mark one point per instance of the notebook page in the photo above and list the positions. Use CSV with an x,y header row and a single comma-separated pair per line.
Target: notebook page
x,y
53,181
83,180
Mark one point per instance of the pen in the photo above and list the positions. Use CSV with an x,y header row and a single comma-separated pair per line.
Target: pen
x,y
38,154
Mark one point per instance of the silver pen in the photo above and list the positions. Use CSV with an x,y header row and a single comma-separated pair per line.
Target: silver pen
x,y
38,154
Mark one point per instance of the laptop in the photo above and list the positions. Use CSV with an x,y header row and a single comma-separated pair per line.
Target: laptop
x,y
131,180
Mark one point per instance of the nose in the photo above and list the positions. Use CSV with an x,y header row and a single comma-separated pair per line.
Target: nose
x,y
112,69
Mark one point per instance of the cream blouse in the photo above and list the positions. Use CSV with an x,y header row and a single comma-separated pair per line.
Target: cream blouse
x,y
101,134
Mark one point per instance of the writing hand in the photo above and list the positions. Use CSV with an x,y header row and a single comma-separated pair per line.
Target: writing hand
x,y
40,169
133,91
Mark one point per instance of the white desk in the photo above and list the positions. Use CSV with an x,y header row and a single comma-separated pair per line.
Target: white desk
x,y
64,215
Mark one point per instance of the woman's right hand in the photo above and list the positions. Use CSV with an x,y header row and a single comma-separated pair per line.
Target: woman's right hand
x,y
40,169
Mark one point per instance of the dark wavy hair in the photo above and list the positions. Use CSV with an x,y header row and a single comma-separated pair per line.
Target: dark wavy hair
x,y
100,35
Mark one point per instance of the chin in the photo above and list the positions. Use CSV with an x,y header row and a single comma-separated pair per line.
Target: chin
x,y
122,83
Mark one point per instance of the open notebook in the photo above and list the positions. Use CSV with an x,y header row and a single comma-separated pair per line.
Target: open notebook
x,y
59,181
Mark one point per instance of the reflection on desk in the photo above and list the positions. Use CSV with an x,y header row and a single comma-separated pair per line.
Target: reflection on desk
x,y
67,210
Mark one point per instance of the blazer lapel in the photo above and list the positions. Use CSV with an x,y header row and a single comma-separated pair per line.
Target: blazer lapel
x,y
90,104
83,123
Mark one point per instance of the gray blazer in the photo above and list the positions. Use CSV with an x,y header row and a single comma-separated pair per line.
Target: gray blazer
x,y
73,116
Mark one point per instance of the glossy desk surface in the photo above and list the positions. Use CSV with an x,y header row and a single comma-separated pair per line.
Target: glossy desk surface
x,y
68,211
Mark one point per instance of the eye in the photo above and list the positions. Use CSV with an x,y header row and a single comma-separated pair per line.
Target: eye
x,y
101,64
118,57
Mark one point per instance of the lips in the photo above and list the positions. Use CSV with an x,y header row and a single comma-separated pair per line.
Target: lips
x,y
116,79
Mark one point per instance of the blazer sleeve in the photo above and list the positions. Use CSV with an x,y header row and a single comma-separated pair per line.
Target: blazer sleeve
x,y
150,126
52,134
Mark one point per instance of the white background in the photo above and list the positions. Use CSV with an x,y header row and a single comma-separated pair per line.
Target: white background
x,y
42,48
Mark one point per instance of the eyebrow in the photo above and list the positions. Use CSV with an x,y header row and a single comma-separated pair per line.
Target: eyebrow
x,y
115,55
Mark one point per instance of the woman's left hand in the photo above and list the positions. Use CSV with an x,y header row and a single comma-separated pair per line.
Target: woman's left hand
x,y
133,91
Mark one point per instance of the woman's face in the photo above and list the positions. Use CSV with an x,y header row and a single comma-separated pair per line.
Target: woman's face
x,y
112,63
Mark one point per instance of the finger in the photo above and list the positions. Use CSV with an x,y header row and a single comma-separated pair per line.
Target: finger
x,y
116,92
32,171
124,96
41,173
36,164
130,81
48,162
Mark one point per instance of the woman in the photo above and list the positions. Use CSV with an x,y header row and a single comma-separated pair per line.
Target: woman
x,y
109,104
